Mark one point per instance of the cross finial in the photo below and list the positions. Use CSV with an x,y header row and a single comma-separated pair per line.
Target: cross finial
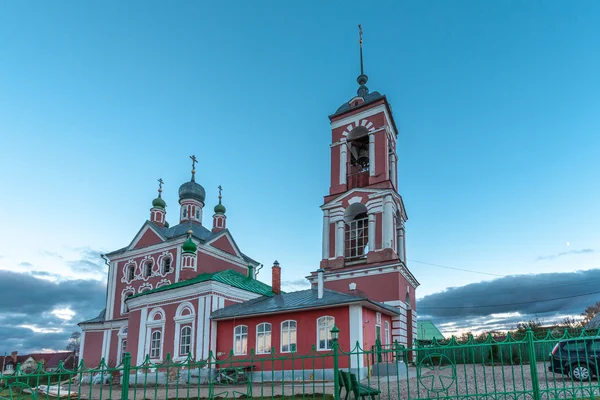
x,y
220,191
160,183
362,78
360,33
194,161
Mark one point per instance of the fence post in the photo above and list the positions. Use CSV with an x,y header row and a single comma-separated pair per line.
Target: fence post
x,y
335,332
126,371
533,364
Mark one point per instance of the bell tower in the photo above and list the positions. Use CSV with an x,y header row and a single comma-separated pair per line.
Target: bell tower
x,y
363,244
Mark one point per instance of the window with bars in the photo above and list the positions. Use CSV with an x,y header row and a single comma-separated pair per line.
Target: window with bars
x,y
155,344
185,341
131,273
357,237
148,269
166,265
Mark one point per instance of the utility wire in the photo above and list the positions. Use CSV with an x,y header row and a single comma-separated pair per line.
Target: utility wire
x,y
508,304
479,272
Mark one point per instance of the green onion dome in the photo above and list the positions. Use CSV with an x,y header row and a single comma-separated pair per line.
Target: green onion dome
x,y
159,203
220,208
189,246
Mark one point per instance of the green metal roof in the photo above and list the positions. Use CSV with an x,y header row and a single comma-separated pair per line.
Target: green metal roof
x,y
228,277
426,330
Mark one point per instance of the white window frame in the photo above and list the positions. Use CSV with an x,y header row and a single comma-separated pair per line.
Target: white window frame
x,y
240,335
378,318
153,324
328,327
163,264
180,322
181,341
352,245
262,336
122,338
9,367
146,263
153,341
287,333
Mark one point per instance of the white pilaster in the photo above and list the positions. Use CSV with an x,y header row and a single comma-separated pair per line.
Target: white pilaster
x,y
371,232
339,239
356,330
178,264
206,338
371,155
81,347
343,163
142,336
393,171
388,223
200,330
325,234
402,246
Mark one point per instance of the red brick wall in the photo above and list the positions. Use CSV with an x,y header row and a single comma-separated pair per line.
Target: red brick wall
x,y
92,351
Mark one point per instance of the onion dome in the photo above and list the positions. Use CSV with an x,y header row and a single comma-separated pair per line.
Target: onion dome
x,y
220,208
159,202
191,189
189,246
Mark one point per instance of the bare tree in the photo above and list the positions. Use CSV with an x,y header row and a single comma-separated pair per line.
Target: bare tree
x,y
590,312
74,342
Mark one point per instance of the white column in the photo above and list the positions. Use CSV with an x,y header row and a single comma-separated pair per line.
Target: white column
x,y
371,232
325,234
200,330
356,335
343,163
142,336
388,223
371,155
339,239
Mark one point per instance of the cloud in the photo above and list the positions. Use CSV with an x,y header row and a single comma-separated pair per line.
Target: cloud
x,y
25,264
501,303
38,313
44,274
90,261
565,253
298,284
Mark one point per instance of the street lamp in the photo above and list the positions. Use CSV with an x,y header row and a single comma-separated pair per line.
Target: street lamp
x,y
335,333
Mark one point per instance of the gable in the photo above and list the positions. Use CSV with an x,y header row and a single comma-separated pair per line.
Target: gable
x,y
224,243
147,237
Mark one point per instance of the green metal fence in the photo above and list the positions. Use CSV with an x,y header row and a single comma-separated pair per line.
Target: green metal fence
x,y
526,366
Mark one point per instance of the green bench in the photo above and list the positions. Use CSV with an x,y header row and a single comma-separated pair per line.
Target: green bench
x,y
349,382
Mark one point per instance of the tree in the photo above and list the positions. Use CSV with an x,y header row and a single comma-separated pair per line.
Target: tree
x,y
534,324
590,312
74,342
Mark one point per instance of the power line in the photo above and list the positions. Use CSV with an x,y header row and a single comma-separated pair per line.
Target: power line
x,y
479,272
508,304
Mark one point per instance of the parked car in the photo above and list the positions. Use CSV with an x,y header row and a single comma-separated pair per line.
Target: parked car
x,y
579,358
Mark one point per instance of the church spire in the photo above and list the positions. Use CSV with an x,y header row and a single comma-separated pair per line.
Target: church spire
x,y
362,78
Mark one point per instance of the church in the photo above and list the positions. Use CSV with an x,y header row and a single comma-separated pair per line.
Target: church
x,y
188,290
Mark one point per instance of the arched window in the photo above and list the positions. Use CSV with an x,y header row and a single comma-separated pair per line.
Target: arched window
x,y
324,327
127,293
155,344
148,269
240,340
356,231
263,338
184,211
288,336
197,214
9,367
185,341
123,348
166,265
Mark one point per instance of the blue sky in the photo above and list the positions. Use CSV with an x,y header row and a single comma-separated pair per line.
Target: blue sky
x,y
496,103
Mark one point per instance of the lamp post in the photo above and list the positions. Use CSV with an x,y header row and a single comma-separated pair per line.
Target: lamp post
x,y
335,334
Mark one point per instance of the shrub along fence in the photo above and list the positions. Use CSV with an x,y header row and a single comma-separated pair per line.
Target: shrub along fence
x,y
516,367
